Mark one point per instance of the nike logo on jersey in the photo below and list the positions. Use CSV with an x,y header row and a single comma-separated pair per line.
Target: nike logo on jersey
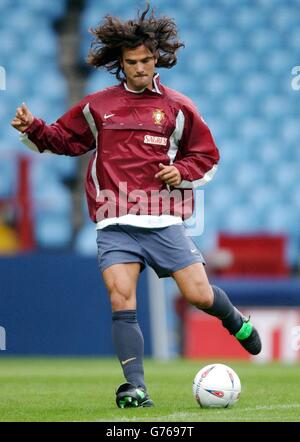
x,y
127,360
106,116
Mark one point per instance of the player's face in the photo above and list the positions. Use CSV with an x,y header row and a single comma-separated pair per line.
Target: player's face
x,y
139,66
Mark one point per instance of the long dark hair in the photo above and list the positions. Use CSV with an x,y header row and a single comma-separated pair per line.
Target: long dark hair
x,y
159,35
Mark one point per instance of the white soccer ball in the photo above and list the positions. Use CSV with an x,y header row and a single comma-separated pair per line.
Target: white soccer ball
x,y
216,386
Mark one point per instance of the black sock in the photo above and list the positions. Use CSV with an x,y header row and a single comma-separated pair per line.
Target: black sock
x,y
129,344
223,309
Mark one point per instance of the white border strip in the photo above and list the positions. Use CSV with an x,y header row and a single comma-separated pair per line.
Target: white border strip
x,y
155,84
25,140
205,179
91,122
176,136
30,144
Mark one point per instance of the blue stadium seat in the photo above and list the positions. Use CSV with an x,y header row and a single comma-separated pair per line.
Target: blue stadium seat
x,y
263,198
21,22
49,194
256,84
225,40
263,39
270,153
9,44
280,61
240,219
294,198
8,175
204,62
44,46
235,106
218,85
241,62
64,167
286,176
290,129
100,79
253,129
176,80
294,39
284,17
220,198
282,218
53,9
246,18
206,19
52,87
274,106
85,242
236,67
248,175
53,232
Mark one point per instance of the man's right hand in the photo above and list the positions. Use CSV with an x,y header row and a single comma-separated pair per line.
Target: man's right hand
x,y
23,118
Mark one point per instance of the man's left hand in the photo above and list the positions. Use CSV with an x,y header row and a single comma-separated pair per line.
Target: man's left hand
x,y
169,174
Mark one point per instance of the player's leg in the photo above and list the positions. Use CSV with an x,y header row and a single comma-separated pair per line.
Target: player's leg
x,y
121,280
195,287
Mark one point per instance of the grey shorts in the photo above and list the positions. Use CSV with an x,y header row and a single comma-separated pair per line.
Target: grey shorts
x,y
166,249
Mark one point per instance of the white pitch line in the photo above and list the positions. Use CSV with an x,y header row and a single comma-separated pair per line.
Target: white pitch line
x,y
196,414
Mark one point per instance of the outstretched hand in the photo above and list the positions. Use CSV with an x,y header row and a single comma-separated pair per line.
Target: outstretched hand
x,y
169,174
23,118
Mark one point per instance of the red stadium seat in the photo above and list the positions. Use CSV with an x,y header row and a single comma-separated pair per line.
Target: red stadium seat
x,y
255,255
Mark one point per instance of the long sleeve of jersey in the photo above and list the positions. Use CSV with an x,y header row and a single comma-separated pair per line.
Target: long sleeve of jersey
x,y
69,135
198,155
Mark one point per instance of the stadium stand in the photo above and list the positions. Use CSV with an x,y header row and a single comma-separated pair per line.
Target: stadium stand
x,y
29,53
236,67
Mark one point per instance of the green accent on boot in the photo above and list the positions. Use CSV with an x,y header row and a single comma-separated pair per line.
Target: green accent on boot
x,y
140,393
245,331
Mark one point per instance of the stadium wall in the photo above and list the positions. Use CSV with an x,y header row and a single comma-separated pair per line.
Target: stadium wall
x,y
56,304
274,307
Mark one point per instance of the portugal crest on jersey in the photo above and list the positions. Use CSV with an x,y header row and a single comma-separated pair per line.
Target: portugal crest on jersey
x,y
158,116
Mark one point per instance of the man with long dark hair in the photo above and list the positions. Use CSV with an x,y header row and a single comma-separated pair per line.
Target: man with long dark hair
x,y
151,148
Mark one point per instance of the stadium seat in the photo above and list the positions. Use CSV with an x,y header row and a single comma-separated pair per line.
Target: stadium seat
x,y
8,174
284,17
53,232
99,79
236,67
85,242
253,255
52,198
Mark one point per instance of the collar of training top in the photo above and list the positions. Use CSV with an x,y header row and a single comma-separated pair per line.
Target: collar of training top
x,y
156,84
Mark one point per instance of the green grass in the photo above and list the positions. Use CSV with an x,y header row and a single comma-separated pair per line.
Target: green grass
x,y
83,390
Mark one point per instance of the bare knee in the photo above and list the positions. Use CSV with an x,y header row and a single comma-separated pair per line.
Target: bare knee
x,y
121,293
201,295
198,293
194,285
120,281
121,298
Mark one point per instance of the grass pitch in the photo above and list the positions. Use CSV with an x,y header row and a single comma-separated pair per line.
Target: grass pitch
x,y
83,390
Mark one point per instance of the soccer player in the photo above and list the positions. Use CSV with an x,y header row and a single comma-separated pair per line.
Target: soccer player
x,y
148,140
